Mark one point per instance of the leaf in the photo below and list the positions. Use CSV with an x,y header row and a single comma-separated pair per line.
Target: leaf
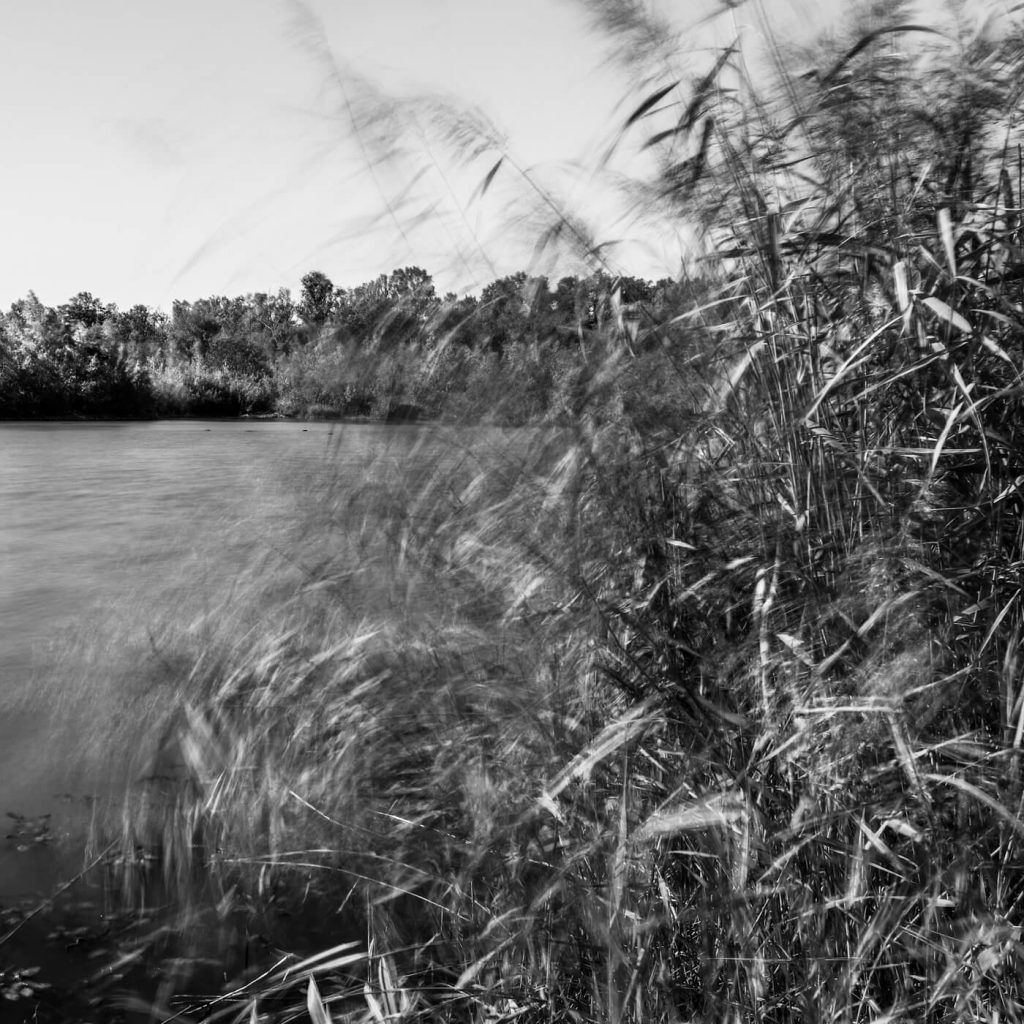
x,y
390,987
996,349
613,737
737,562
481,189
376,1010
940,445
982,797
899,273
940,309
648,103
693,110
1000,318
489,178
946,234
319,959
796,646
903,827
660,137
314,1004
865,41
717,811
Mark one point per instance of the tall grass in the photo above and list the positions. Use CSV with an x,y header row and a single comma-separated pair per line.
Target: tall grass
x,y
710,718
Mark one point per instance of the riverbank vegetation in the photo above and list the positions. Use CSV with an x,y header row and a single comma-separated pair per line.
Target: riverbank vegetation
x,y
388,348
708,705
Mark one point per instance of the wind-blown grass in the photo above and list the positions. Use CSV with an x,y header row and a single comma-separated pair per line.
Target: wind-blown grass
x,y
715,719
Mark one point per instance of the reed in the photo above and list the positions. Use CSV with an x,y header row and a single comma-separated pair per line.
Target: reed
x,y
711,718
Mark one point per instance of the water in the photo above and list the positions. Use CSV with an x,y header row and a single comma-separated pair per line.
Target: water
x,y
107,533
99,520
116,536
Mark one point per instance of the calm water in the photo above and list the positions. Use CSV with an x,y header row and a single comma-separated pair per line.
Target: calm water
x,y
103,522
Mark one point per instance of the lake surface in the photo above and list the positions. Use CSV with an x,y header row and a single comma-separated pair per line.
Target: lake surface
x,y
120,543
108,530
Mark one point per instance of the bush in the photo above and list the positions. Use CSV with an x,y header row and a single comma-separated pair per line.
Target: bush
x,y
198,389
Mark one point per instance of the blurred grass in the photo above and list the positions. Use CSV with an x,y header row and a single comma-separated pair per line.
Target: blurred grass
x,y
711,717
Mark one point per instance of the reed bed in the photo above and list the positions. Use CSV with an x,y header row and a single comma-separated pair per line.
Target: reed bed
x,y
710,719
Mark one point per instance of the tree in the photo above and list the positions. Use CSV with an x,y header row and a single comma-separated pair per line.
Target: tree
x,y
142,331
317,301
39,340
193,326
455,321
85,310
634,289
272,318
414,287
504,311
360,308
410,304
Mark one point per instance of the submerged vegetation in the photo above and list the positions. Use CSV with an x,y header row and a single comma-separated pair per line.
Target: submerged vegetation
x,y
707,704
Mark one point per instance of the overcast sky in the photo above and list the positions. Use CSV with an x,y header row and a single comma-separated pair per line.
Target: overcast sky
x,y
162,149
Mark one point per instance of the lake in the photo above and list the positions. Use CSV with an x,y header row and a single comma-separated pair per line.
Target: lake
x,y
108,531
119,544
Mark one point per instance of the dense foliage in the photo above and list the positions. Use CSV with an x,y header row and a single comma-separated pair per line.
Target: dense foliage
x,y
388,345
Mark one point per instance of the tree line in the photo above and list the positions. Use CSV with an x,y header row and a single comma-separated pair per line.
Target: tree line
x,y
513,353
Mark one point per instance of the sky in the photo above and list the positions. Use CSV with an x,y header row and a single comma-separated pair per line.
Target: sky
x,y
155,150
